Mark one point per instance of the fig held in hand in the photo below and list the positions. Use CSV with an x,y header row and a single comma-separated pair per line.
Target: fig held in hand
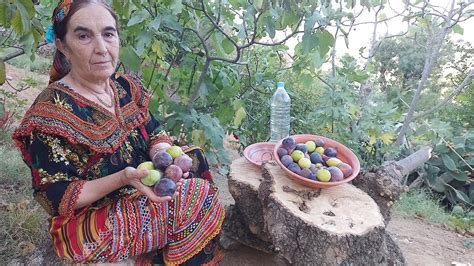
x,y
165,187
152,177
184,162
162,159
174,172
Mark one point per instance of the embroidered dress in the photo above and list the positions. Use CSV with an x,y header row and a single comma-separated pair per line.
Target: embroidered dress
x,y
67,140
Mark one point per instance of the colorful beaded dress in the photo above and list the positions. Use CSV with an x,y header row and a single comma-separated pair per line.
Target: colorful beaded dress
x,y
67,139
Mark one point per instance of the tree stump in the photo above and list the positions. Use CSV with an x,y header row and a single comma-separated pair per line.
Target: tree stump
x,y
339,225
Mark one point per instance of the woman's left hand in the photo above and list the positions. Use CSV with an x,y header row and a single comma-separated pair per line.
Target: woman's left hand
x,y
131,176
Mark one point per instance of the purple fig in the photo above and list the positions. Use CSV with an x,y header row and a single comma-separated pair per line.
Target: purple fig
x,y
346,169
184,162
165,187
336,174
162,159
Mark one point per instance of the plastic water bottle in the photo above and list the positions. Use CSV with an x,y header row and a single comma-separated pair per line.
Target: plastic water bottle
x,y
280,114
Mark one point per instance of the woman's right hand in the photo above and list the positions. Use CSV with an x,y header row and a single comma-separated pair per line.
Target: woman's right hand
x,y
131,176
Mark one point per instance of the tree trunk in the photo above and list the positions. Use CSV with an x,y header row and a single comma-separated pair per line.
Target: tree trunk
x,y
385,184
434,43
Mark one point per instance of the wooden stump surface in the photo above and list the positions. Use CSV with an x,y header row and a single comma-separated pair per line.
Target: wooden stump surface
x,y
308,226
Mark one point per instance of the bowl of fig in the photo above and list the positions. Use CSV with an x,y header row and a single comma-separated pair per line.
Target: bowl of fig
x,y
316,161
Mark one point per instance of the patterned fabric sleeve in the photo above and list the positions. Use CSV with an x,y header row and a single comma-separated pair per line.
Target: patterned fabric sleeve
x,y
157,135
55,167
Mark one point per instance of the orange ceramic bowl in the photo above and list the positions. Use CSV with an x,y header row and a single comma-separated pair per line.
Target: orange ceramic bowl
x,y
343,153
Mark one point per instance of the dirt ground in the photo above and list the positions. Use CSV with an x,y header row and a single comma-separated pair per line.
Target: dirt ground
x,y
421,243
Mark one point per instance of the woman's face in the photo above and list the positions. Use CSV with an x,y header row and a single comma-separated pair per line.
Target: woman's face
x,y
91,44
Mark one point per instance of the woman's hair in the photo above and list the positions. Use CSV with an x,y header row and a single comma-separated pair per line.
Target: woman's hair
x,y
60,18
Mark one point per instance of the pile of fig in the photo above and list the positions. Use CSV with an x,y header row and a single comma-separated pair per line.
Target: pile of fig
x,y
313,160
165,169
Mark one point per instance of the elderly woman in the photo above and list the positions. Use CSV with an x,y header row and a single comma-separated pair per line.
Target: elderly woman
x,y
83,138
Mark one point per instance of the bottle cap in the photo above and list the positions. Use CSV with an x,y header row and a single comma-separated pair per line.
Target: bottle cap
x,y
281,84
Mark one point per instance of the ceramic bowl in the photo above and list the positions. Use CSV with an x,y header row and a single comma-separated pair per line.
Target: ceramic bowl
x,y
343,153
260,152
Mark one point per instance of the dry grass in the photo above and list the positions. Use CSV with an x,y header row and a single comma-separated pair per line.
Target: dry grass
x,y
24,224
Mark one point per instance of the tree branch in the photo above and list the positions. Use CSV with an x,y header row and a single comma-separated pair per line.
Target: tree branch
x,y
19,52
203,74
456,91
433,45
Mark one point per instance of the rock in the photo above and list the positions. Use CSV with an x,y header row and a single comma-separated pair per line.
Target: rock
x,y
228,243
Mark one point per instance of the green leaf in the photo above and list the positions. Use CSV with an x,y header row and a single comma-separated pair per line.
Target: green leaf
x,y
117,5
310,21
438,185
122,8
137,17
258,4
28,42
198,137
212,130
309,42
29,7
203,92
157,48
216,42
289,18
3,74
129,57
317,60
176,6
3,14
365,3
350,3
25,18
227,46
461,195
237,104
326,41
461,176
240,114
270,26
143,39
431,170
382,16
459,142
446,177
448,162
225,114
458,29
155,23
37,36
441,148
306,80
170,21
17,25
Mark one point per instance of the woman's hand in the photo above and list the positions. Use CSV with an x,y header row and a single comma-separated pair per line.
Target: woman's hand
x,y
131,176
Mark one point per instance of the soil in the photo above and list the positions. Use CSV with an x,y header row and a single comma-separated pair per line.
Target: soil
x,y
422,243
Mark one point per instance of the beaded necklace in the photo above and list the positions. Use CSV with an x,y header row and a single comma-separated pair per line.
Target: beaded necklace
x,y
107,90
